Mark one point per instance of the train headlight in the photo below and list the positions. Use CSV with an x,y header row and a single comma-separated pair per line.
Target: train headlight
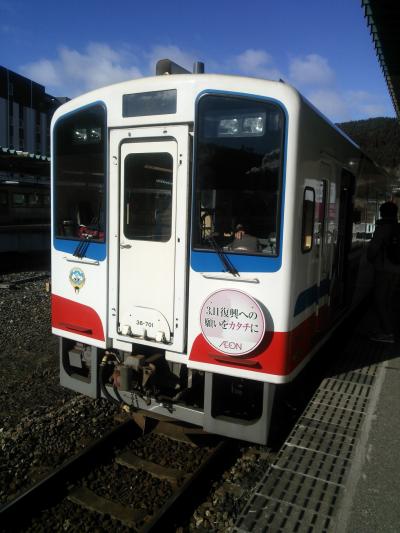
x,y
86,136
254,125
80,135
228,126
242,125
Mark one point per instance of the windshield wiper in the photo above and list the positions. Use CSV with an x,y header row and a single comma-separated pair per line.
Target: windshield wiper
x,y
82,248
222,256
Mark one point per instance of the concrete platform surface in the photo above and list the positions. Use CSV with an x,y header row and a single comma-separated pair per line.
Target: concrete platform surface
x,y
372,500
339,469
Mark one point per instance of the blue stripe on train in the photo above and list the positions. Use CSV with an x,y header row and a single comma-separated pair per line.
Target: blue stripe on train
x,y
96,250
210,262
311,296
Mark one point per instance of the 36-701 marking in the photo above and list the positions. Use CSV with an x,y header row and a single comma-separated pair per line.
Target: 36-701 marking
x,y
145,324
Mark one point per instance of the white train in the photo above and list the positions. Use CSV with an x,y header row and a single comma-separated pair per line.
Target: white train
x,y
204,243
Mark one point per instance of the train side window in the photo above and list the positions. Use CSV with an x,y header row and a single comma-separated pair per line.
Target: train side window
x,y
308,219
33,200
19,199
3,198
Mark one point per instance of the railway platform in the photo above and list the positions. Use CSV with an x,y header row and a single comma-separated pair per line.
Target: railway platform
x,y
339,469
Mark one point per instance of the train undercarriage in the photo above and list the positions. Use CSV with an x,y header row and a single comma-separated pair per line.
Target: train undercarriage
x,y
145,380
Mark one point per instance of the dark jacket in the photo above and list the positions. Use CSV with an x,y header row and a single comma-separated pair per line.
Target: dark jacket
x,y
376,249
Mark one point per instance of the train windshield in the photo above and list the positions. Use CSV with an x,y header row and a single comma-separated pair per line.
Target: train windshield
x,y
238,175
79,175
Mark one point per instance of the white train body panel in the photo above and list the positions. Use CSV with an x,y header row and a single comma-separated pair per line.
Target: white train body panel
x,y
157,271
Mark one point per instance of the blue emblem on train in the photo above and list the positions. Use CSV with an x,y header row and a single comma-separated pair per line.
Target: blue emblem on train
x,y
77,278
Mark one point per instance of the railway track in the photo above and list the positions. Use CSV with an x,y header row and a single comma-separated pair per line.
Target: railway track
x,y
15,283
151,493
74,495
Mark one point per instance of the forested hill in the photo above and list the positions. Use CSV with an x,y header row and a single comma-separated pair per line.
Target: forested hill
x,y
379,138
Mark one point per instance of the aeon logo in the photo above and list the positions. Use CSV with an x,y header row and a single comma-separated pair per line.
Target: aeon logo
x,y
232,322
232,345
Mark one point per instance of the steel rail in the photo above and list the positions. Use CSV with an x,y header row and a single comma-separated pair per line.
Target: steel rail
x,y
53,487
182,503
14,283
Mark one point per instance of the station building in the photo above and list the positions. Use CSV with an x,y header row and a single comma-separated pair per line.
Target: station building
x,y
25,116
25,113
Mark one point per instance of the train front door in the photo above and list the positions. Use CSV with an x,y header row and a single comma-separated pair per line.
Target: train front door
x,y
152,235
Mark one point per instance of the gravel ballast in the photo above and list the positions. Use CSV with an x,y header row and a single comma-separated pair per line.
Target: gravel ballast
x,y
42,425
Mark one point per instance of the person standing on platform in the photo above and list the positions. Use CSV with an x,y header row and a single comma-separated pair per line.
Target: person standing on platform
x,y
384,253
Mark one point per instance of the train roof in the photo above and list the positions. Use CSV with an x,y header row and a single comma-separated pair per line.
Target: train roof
x,y
189,87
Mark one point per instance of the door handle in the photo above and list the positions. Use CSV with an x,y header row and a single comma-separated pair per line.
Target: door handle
x,y
125,245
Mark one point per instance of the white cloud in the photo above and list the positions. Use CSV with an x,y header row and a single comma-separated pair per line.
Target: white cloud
x,y
43,71
74,72
366,104
341,106
184,59
331,103
311,70
373,110
258,63
313,76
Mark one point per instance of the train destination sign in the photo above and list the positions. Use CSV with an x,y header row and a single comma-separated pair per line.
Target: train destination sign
x,y
232,322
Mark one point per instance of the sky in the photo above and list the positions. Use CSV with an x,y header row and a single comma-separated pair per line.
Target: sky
x,y
322,47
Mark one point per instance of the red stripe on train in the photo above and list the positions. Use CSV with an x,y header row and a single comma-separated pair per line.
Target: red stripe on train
x,y
278,354
75,318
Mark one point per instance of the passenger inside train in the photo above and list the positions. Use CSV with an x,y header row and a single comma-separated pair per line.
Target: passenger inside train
x,y
243,241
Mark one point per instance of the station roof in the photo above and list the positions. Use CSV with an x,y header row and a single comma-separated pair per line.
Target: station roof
x,y
383,19
4,151
23,163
